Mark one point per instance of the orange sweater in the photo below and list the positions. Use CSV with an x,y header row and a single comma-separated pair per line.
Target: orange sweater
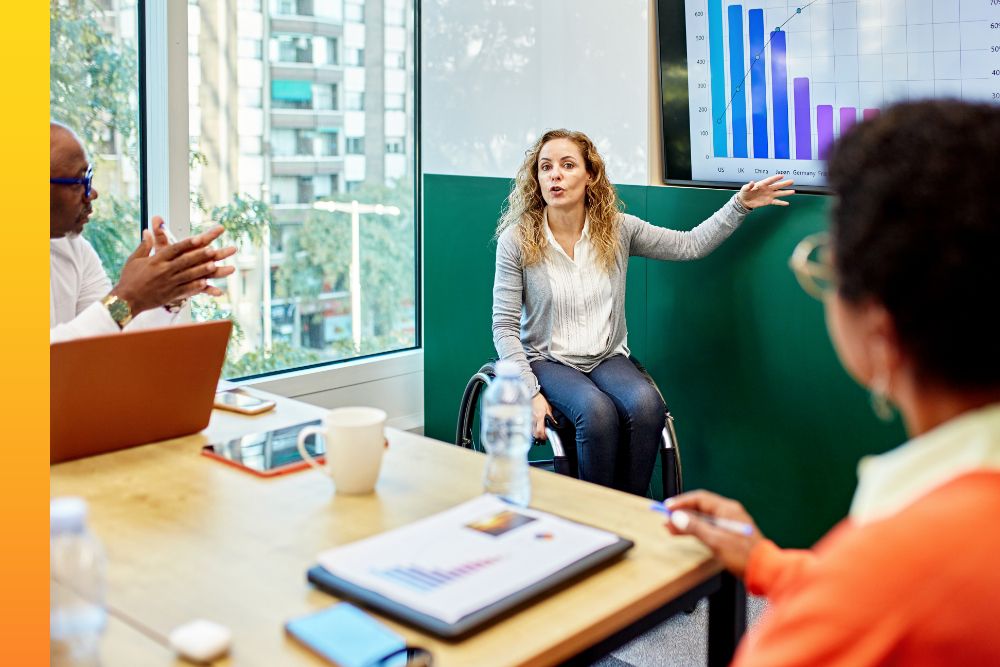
x,y
921,587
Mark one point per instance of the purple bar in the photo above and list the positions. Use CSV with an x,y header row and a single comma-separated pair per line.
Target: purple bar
x,y
824,130
803,139
870,113
848,119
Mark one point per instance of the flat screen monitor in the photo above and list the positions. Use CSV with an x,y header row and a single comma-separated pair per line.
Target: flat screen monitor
x,y
752,88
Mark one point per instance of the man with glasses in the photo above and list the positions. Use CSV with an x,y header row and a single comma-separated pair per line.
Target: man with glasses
x,y
155,280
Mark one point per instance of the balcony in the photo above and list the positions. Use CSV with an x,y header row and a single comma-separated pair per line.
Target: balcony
x,y
307,71
284,20
306,119
306,165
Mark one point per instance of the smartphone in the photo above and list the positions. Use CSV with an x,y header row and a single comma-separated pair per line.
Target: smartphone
x,y
347,636
239,400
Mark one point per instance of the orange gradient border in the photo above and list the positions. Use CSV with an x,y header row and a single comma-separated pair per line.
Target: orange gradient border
x,y
24,389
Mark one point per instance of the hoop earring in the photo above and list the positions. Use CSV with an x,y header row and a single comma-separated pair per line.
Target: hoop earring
x,y
878,397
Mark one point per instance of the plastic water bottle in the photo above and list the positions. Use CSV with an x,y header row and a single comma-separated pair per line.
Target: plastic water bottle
x,y
506,434
77,614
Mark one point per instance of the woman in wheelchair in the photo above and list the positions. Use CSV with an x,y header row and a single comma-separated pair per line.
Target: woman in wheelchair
x,y
563,245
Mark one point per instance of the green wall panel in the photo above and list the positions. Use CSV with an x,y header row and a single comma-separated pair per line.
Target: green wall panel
x,y
764,411
460,217
634,199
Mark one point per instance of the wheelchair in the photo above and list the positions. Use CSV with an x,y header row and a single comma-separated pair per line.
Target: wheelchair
x,y
559,431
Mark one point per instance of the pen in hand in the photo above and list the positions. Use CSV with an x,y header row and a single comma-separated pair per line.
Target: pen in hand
x,y
681,519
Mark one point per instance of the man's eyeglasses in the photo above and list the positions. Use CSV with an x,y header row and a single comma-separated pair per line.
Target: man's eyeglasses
x,y
86,181
812,265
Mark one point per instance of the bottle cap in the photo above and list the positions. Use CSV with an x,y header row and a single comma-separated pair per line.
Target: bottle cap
x,y
67,515
507,368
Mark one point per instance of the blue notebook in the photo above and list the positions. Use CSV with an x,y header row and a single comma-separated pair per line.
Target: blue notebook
x,y
347,636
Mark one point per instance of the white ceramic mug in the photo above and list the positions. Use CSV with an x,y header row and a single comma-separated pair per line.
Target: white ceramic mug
x,y
355,440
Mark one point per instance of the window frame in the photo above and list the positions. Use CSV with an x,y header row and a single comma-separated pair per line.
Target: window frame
x,y
163,140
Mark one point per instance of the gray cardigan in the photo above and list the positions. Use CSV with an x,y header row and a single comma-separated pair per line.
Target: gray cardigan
x,y
522,298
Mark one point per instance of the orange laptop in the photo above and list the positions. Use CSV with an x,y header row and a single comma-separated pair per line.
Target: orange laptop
x,y
112,392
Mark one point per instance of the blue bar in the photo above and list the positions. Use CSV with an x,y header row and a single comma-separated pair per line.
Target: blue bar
x,y
406,578
779,94
717,68
758,83
736,74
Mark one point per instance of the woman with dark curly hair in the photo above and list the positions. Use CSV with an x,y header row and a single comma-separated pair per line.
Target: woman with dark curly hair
x,y
909,281
559,300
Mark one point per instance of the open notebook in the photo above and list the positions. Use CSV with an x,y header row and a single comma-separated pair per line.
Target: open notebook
x,y
453,572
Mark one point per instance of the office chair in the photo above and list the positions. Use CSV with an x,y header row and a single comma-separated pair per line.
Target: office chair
x,y
560,430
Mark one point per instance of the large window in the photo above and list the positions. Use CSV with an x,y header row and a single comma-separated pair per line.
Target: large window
x,y
292,48
283,151
293,178
93,88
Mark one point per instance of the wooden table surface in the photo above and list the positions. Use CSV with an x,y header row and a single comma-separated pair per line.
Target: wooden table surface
x,y
189,537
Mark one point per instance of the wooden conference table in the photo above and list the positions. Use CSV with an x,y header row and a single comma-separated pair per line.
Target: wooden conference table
x,y
189,537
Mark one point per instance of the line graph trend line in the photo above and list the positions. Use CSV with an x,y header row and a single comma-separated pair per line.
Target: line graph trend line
x,y
755,58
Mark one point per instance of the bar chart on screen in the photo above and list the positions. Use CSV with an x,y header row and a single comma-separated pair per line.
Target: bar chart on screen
x,y
773,83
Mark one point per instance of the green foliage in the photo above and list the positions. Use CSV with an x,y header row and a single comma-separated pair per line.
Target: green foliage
x,y
280,356
318,259
92,79
113,230
245,219
206,309
92,89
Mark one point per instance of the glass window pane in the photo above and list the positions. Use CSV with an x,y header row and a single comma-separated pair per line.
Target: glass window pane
x,y
354,11
332,51
100,102
277,167
354,57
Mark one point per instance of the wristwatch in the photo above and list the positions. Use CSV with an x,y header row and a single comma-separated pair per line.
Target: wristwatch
x,y
119,310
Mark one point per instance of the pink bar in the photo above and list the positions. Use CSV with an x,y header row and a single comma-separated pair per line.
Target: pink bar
x,y
848,118
870,113
824,130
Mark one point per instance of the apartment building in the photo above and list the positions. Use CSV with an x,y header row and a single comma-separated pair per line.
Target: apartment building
x,y
292,102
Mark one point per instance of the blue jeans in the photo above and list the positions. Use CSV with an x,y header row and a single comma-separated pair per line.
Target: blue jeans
x,y
618,415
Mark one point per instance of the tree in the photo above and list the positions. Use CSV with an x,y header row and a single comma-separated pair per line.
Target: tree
x,y
318,259
245,220
93,77
93,84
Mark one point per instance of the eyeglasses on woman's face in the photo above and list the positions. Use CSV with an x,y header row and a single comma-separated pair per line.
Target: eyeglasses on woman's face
x,y
86,181
812,264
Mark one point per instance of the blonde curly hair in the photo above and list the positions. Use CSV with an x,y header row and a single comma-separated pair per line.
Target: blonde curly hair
x,y
524,206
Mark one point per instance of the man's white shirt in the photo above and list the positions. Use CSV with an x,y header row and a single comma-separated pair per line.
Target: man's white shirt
x,y
77,283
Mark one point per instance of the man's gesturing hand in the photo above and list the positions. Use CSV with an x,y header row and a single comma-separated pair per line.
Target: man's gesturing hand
x,y
176,271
